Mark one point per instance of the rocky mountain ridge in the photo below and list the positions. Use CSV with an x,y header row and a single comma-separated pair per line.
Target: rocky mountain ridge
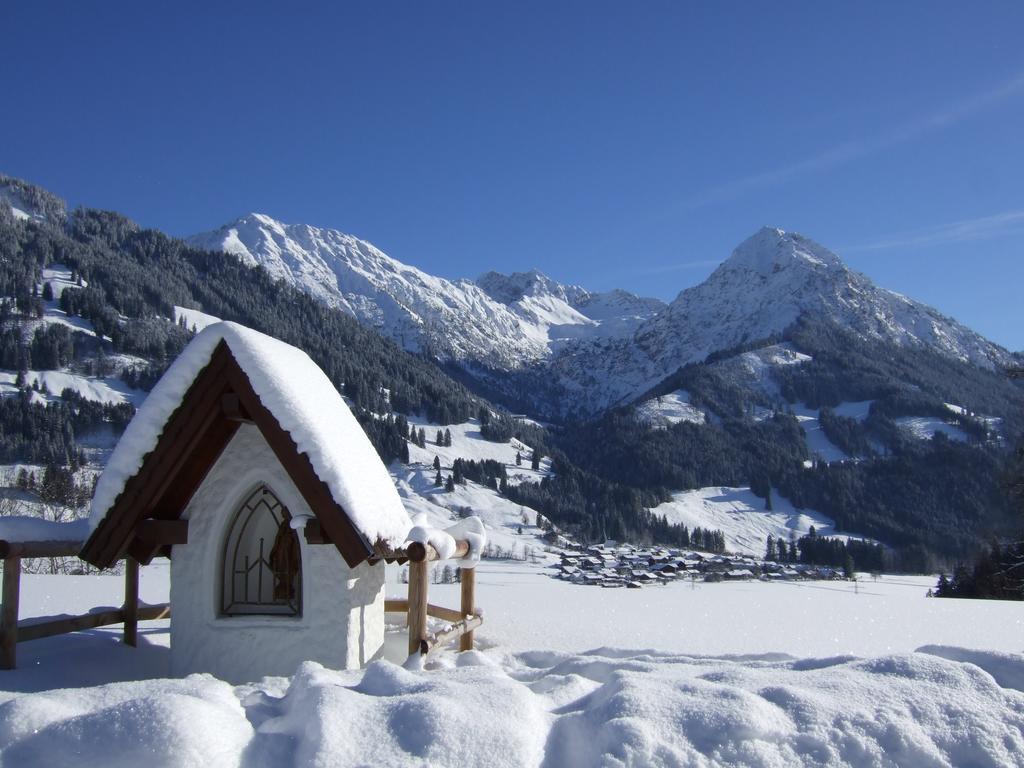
x,y
503,323
577,350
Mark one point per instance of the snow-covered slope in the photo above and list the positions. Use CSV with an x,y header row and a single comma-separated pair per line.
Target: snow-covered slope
x,y
774,277
510,526
20,209
587,351
452,319
741,516
559,314
673,408
504,322
30,203
769,281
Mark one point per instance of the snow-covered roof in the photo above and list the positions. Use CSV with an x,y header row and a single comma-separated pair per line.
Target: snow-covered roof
x,y
305,404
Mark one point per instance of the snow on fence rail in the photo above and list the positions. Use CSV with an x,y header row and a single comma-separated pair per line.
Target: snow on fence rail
x,y
12,633
417,607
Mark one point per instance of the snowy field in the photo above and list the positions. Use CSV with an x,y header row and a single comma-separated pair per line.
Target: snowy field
x,y
870,673
754,674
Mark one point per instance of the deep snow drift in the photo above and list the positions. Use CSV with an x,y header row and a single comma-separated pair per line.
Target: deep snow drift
x,y
603,708
751,674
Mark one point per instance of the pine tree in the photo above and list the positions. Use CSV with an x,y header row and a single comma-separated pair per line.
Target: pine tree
x,y
770,552
519,459
448,438
535,464
438,482
440,438
449,484
437,462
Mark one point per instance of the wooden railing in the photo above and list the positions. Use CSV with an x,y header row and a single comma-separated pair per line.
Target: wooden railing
x,y
417,607
12,632
461,622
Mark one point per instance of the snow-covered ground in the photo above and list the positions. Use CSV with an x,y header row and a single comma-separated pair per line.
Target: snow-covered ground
x,y
101,390
741,673
818,444
741,516
670,409
468,444
736,673
193,319
510,526
753,674
59,278
926,427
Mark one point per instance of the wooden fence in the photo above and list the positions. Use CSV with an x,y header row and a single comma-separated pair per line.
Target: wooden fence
x,y
417,607
462,622
13,632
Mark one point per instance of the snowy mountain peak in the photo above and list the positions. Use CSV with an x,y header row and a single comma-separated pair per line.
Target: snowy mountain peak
x,y
771,250
508,289
598,348
503,322
770,280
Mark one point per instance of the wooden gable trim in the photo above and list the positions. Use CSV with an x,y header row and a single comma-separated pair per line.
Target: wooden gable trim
x,y
153,536
219,400
335,524
159,489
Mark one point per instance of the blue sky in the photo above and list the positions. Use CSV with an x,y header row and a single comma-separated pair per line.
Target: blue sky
x,y
608,144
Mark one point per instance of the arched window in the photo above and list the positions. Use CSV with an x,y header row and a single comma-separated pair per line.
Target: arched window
x,y
262,565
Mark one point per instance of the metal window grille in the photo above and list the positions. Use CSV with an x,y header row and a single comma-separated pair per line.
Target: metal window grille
x,y
262,563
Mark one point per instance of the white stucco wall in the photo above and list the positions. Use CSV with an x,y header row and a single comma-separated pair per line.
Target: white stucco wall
x,y
342,622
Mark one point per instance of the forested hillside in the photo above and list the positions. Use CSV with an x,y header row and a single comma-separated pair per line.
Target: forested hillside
x,y
940,497
753,409
128,281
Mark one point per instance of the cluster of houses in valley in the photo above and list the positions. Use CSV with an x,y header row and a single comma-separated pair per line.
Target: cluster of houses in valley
x,y
623,565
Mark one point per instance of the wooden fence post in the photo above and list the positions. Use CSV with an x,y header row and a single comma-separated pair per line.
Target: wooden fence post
x,y
468,578
418,585
131,602
9,615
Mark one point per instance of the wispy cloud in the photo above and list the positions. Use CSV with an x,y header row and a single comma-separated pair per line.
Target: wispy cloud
x,y
966,230
841,154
